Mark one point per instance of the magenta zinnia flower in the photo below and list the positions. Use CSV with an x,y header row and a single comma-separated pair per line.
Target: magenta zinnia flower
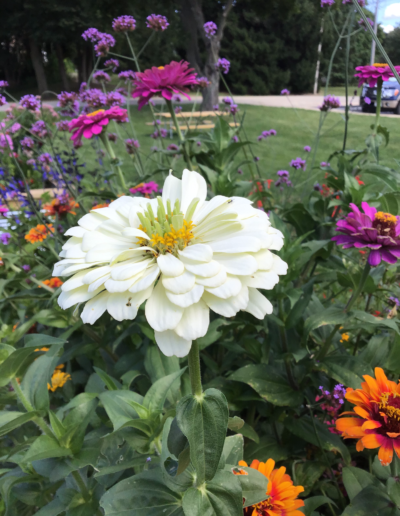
x,y
164,80
93,123
374,229
371,74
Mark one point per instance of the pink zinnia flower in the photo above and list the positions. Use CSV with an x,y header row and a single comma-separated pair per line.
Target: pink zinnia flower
x,y
374,229
3,209
93,123
371,74
164,81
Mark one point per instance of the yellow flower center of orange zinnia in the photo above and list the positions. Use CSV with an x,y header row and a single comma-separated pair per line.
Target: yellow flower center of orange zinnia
x,y
96,112
390,405
385,218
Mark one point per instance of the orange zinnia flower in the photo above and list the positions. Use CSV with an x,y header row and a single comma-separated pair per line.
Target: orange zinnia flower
x,y
104,205
377,416
39,233
53,282
282,493
61,206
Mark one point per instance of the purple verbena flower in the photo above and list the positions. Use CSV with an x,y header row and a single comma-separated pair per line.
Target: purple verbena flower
x,y
39,129
113,98
394,301
27,142
92,35
128,75
112,137
367,100
223,65
317,187
235,138
285,92
112,63
178,109
101,76
4,84
26,268
3,100
233,109
103,46
330,102
5,238
324,164
157,22
298,163
30,102
45,159
327,3
363,24
94,98
203,82
210,28
124,24
376,230
173,147
131,145
307,148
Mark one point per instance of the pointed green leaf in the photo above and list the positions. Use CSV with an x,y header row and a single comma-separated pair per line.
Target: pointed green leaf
x,y
156,395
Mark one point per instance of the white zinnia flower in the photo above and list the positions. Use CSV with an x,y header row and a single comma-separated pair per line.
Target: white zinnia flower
x,y
181,253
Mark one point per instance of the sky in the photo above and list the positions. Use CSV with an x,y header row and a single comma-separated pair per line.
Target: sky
x,y
388,13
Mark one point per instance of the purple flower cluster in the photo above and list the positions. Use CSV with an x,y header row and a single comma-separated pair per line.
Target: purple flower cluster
x,y
363,24
4,84
113,98
27,142
124,24
285,92
203,82
330,102
266,134
128,75
157,22
6,142
92,35
69,103
394,301
159,133
62,125
307,148
317,187
5,238
112,63
210,28
332,403
112,137
94,98
102,47
131,145
223,65
101,76
327,3
178,109
3,100
324,164
173,147
298,163
39,129
284,178
30,102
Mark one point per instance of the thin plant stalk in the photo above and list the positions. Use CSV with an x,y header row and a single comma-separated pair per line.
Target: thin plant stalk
x,y
194,369
179,133
111,153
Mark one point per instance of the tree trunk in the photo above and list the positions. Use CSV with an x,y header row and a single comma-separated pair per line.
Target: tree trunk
x,y
37,62
61,66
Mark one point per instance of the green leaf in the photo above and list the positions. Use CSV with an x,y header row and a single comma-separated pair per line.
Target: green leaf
x,y
118,408
332,315
14,364
204,421
157,394
390,202
254,486
383,173
177,441
232,452
308,473
5,351
375,321
212,335
45,447
144,494
110,382
76,423
346,369
393,487
371,501
270,384
304,427
10,420
57,426
267,448
54,508
219,497
356,479
311,504
36,340
235,423
159,366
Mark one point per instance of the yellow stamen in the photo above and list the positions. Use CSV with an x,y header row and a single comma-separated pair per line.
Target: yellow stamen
x,y
380,65
388,409
161,67
96,112
387,218
345,337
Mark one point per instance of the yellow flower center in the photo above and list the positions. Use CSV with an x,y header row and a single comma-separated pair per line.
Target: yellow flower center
x,y
161,67
390,405
170,230
380,65
59,379
386,218
345,337
96,112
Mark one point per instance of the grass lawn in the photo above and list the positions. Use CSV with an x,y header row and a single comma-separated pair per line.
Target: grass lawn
x,y
295,129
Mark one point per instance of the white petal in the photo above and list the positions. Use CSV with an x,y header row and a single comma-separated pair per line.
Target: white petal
x,y
190,298
75,252
91,221
277,240
133,232
231,287
92,238
171,344
258,305
126,305
161,314
170,265
74,282
193,185
239,264
104,253
195,321
261,279
204,270
227,307
209,207
197,252
180,284
130,268
96,273
73,297
239,244
121,286
79,266
149,277
214,281
95,308
172,190
265,259
99,282
279,266
76,231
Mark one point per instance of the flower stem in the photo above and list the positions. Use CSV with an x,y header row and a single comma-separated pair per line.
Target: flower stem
x,y
194,369
111,153
41,423
378,104
179,132
324,350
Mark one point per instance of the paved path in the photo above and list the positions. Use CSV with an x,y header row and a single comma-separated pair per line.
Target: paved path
x,y
309,102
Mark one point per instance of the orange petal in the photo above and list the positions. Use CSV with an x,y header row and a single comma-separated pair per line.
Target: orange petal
x,y
371,425
359,445
385,454
270,464
254,464
243,464
371,441
348,424
396,446
373,385
277,475
361,412
382,380
393,435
